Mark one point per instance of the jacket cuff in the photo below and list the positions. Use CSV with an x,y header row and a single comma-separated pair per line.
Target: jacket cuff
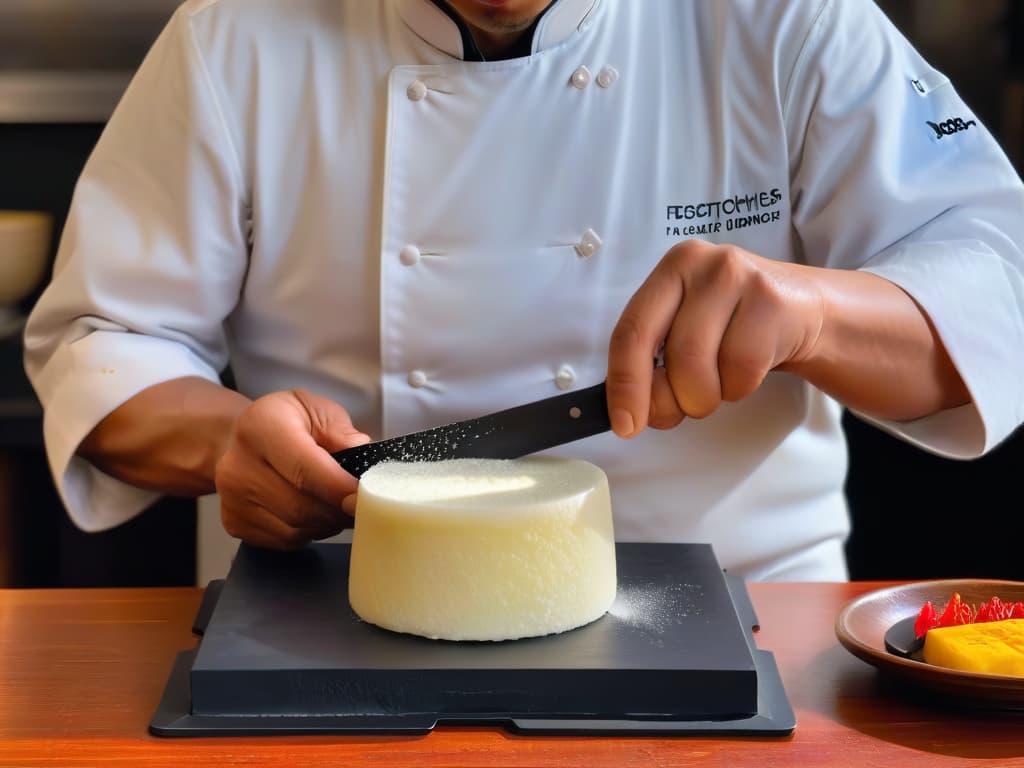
x,y
99,373
965,289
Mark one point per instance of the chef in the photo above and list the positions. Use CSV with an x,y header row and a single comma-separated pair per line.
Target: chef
x,y
387,216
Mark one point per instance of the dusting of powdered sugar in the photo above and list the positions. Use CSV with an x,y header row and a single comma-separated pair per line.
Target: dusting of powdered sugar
x,y
653,608
450,441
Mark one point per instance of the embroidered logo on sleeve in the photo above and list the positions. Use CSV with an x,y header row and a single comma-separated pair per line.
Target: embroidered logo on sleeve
x,y
951,126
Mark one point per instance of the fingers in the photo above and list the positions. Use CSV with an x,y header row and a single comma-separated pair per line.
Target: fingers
x,y
262,528
330,425
695,337
293,433
747,350
722,315
686,304
258,505
634,343
279,486
665,411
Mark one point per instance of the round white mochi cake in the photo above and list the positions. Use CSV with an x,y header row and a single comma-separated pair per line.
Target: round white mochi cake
x,y
483,549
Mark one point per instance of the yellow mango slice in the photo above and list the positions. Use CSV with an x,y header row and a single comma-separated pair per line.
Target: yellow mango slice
x,y
991,648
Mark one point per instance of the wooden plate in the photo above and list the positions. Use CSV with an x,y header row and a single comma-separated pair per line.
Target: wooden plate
x,y
863,622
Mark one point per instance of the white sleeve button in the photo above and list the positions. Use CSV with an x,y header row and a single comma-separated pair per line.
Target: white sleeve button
x,y
416,91
417,379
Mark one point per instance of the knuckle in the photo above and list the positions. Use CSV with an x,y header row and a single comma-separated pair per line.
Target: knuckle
x,y
731,269
677,253
741,363
227,479
298,476
303,397
317,409
247,419
737,386
767,291
319,419
741,374
251,422
685,250
619,380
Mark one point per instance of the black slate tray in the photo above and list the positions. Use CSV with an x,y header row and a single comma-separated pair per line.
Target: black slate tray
x,y
282,653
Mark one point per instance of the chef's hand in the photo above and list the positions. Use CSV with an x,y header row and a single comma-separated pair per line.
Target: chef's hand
x,y
722,318
278,485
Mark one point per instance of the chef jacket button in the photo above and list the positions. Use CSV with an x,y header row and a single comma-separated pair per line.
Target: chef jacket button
x,y
565,377
417,379
606,77
409,255
580,78
416,91
589,244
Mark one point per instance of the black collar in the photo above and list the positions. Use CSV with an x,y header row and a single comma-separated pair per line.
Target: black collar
x,y
471,52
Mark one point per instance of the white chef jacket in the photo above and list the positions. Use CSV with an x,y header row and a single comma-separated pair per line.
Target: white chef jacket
x,y
325,194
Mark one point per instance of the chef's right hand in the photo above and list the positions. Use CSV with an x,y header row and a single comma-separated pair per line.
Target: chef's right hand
x,y
278,485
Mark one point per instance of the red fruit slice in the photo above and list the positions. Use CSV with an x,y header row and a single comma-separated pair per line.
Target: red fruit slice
x,y
956,612
927,618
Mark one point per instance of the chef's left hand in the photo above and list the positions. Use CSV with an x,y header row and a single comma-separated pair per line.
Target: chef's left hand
x,y
722,318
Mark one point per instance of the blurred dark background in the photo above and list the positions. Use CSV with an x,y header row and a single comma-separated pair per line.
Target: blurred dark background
x,y
916,515
63,64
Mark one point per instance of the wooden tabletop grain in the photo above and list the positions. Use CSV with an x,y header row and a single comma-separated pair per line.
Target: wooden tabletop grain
x,y
81,672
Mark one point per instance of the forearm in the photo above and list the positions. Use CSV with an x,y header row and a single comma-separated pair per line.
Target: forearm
x,y
168,437
877,352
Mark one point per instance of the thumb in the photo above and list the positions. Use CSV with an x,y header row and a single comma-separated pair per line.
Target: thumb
x,y
329,424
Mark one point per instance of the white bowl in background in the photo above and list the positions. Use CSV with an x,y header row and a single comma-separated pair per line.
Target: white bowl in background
x,y
24,254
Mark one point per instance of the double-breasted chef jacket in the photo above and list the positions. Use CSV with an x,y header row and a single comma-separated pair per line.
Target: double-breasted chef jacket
x,y
326,194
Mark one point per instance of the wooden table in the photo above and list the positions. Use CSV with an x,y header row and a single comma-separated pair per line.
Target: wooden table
x,y
81,672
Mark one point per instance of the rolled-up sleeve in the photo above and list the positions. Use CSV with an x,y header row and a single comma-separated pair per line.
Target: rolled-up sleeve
x,y
892,173
150,266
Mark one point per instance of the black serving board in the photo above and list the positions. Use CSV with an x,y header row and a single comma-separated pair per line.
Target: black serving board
x,y
282,652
